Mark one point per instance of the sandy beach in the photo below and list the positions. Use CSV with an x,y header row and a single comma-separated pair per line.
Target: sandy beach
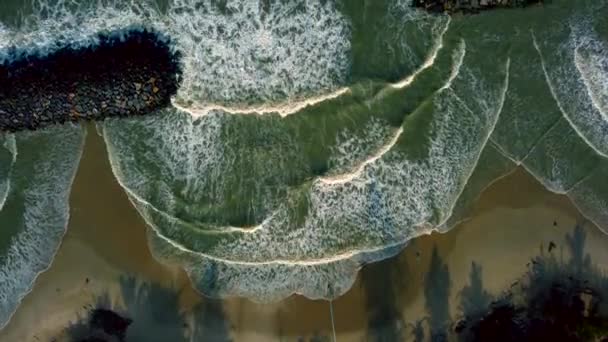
x,y
509,225
511,222
105,239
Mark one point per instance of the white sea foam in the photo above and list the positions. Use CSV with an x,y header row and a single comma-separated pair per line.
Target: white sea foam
x,y
283,108
43,186
239,54
389,201
7,143
247,56
437,45
257,53
356,171
555,159
591,60
352,151
569,87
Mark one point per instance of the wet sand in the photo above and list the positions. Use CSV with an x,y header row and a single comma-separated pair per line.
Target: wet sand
x,y
510,223
107,238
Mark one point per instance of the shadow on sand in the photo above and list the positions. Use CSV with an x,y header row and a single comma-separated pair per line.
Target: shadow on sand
x,y
149,313
557,299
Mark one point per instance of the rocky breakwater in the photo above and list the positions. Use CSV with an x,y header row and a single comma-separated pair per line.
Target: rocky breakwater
x,y
470,6
123,74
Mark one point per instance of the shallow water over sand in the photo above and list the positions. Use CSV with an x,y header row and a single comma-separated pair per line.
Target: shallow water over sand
x,y
512,221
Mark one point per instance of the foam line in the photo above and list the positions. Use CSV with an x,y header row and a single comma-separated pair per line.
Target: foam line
x,y
30,286
503,97
350,176
283,110
540,139
311,262
139,199
594,99
559,105
10,145
462,51
584,178
428,62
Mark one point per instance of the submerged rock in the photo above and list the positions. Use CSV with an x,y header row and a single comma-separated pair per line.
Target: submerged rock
x,y
128,73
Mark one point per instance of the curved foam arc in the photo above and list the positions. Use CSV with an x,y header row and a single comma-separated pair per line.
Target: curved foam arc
x,y
350,176
558,102
503,97
140,200
287,53
310,262
585,75
283,109
430,60
459,59
284,51
346,255
289,108
11,146
23,240
4,192
457,64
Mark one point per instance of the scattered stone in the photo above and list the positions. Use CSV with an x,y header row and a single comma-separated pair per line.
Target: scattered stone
x,y
71,83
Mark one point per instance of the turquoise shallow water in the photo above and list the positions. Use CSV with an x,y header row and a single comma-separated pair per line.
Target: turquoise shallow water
x,y
424,112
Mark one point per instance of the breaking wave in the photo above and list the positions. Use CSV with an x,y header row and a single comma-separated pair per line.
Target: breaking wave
x,y
34,213
265,206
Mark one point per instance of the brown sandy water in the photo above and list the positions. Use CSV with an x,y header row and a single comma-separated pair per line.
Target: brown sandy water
x,y
106,238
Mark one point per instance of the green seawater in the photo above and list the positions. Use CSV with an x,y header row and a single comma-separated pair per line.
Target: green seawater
x,y
264,206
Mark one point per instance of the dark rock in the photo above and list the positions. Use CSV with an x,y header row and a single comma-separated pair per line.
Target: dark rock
x,y
72,84
470,6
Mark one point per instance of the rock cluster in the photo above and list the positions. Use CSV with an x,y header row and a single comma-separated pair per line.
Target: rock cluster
x,y
469,6
125,74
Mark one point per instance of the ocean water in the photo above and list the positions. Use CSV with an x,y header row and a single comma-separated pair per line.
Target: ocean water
x,y
37,170
256,194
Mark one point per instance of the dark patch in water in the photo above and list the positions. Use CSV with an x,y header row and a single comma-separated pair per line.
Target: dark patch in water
x,y
126,73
